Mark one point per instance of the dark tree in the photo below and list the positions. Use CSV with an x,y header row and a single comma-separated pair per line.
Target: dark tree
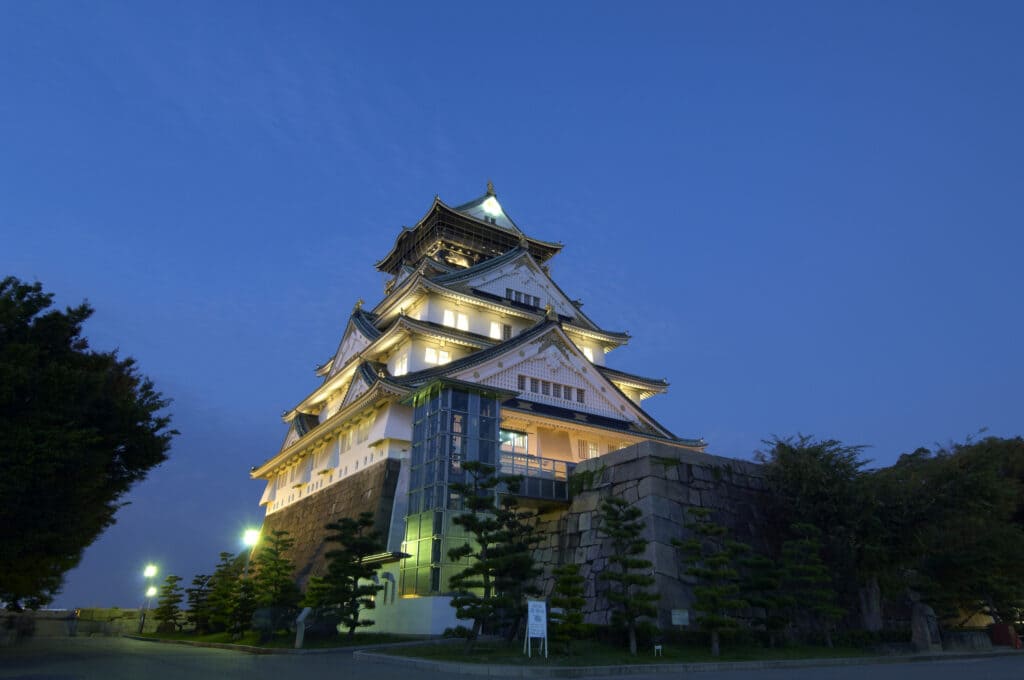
x,y
821,483
761,587
199,603
223,586
77,429
169,605
567,606
499,568
273,583
712,559
952,527
628,574
346,567
807,580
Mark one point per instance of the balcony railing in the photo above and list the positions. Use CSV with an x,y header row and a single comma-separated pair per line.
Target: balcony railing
x,y
542,478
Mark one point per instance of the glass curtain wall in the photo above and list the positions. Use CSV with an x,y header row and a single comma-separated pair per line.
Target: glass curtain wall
x,y
450,426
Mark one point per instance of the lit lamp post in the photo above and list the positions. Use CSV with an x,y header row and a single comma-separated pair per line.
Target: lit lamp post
x,y
250,538
149,572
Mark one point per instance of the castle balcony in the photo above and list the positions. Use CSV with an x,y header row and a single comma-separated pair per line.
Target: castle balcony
x,y
543,479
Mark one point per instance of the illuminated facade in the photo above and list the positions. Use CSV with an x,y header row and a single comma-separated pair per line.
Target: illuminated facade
x,y
474,353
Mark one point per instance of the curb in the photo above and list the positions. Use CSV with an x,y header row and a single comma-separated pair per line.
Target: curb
x,y
249,649
656,669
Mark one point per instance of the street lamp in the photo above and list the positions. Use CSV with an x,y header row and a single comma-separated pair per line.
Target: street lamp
x,y
149,572
250,538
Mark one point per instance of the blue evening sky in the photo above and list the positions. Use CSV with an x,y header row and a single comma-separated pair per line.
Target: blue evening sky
x,y
807,214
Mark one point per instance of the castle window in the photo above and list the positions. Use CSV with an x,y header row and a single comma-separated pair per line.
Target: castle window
x,y
586,450
496,330
545,388
506,331
436,356
534,385
402,364
522,383
579,395
456,320
556,390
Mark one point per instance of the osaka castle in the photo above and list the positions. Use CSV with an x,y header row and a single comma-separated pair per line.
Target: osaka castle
x,y
473,353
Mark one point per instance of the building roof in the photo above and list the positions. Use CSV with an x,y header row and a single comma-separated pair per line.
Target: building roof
x,y
463,228
487,209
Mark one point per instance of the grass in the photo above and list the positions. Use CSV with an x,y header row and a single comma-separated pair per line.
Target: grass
x,y
591,653
286,640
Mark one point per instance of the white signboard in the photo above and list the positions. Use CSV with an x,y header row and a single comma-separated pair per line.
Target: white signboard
x,y
536,625
680,617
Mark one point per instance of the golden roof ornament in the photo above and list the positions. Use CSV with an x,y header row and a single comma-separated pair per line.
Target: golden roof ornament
x,y
490,188
549,311
358,306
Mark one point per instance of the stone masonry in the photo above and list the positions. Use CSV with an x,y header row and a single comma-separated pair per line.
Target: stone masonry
x,y
664,481
372,489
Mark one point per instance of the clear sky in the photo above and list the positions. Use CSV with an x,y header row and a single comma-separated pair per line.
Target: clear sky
x,y
808,215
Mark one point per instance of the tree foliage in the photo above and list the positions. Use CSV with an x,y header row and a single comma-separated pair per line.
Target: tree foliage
x,y
628,574
345,584
821,484
711,559
490,590
952,526
223,598
169,605
198,597
77,429
567,606
807,581
271,584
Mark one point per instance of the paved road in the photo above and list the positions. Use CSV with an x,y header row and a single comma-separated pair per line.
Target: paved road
x,y
117,659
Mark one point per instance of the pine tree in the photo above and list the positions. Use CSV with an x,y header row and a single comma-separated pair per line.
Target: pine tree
x,y
272,571
346,567
807,578
223,592
762,589
490,589
199,603
628,574
271,584
712,561
567,606
168,609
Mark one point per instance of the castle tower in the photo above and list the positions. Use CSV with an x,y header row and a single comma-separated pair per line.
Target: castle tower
x,y
473,354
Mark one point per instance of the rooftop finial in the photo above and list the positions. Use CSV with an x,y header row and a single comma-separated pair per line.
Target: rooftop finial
x,y
358,306
490,188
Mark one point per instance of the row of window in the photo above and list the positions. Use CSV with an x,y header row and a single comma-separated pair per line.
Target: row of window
x,y
520,296
550,389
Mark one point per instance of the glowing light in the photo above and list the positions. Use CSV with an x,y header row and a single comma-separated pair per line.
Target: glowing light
x,y
149,571
151,591
491,206
251,537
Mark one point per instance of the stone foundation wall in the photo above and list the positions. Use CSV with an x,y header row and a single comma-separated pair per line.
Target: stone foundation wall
x,y
372,489
663,481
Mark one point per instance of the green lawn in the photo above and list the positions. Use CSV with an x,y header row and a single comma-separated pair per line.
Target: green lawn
x,y
252,639
589,653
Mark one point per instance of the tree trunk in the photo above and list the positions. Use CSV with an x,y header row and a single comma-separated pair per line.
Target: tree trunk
x,y
632,638
714,644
